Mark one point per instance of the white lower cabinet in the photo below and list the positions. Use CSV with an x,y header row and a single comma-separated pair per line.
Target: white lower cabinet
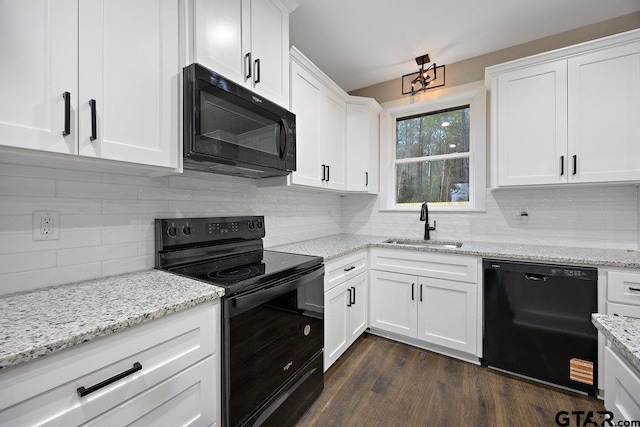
x,y
346,302
432,310
622,388
173,377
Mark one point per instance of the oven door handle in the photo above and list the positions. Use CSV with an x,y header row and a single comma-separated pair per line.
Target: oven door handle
x,y
245,302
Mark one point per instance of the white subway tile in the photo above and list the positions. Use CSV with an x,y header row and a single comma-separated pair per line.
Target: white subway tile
x,y
112,236
95,190
160,181
12,263
126,265
23,242
133,206
48,173
163,193
34,279
16,223
75,256
10,205
26,186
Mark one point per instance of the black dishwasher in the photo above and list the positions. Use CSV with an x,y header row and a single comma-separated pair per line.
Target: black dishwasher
x,y
537,322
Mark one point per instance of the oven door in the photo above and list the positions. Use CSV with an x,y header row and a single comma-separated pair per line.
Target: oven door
x,y
229,126
272,352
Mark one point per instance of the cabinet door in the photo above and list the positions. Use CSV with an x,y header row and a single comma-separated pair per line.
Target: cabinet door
x,y
336,319
358,309
532,125
270,50
621,388
447,314
38,41
306,102
333,136
393,303
604,114
219,33
357,147
129,64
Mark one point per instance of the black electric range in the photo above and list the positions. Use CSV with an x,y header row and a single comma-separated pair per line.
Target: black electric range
x,y
272,314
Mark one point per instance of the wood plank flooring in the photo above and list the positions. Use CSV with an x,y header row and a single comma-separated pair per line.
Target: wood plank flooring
x,y
379,382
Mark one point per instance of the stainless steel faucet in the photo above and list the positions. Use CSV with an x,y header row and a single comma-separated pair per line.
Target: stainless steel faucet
x,y
424,216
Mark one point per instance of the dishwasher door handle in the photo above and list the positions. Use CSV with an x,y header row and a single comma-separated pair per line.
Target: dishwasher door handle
x,y
536,277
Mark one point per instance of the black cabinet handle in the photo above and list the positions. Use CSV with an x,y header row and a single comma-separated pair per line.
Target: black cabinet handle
x,y
575,164
561,165
634,289
366,179
350,268
412,293
84,391
349,303
328,173
324,172
420,292
247,65
94,124
354,296
67,113
256,65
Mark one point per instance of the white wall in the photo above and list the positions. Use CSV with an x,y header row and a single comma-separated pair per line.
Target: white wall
x,y
598,217
107,219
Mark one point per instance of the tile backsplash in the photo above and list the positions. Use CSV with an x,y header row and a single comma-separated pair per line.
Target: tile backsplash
x,y
598,217
107,218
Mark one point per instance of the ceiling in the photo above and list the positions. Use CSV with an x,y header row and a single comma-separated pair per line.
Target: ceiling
x,y
358,43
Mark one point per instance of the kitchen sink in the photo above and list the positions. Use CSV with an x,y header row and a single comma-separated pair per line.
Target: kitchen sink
x,y
425,243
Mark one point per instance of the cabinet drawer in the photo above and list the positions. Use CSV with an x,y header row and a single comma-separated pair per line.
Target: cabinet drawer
x,y
623,310
344,268
182,400
45,390
621,388
427,264
624,287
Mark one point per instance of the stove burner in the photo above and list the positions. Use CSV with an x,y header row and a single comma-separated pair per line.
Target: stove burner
x,y
235,274
198,270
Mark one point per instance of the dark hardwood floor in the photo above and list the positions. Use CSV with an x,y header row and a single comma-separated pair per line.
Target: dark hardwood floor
x,y
379,382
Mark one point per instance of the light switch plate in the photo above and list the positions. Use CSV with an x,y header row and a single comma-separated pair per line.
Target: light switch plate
x,y
46,225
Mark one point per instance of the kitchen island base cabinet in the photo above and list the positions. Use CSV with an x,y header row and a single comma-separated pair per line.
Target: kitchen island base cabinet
x,y
622,388
174,377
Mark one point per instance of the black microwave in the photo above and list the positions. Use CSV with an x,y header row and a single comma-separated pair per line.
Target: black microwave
x,y
230,130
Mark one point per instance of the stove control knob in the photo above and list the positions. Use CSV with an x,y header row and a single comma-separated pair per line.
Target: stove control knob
x,y
187,230
251,225
172,231
259,224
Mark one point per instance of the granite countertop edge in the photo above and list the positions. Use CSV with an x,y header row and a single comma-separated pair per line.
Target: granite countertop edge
x,y
18,346
336,246
623,333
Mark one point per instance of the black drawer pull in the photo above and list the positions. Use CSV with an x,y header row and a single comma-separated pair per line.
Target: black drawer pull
x,y
350,268
84,391
67,113
634,289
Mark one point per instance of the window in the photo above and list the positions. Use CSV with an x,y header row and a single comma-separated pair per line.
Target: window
x,y
434,150
432,158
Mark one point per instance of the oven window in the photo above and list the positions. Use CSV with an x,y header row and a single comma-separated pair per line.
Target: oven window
x,y
223,121
270,343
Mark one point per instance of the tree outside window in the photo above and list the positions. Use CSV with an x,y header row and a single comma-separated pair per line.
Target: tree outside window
x,y
432,158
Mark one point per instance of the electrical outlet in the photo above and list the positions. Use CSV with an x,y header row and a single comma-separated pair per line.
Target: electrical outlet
x,y
46,225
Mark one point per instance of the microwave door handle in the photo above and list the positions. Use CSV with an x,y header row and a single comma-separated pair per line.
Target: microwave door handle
x,y
284,137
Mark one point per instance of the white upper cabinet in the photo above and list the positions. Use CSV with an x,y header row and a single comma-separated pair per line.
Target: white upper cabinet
x,y
604,114
362,144
39,66
532,119
568,116
116,62
129,69
246,41
321,119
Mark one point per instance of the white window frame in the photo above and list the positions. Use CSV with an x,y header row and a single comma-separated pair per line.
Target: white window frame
x,y
472,94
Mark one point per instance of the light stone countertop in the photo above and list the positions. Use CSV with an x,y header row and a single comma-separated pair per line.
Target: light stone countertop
x,y
335,246
623,333
48,320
